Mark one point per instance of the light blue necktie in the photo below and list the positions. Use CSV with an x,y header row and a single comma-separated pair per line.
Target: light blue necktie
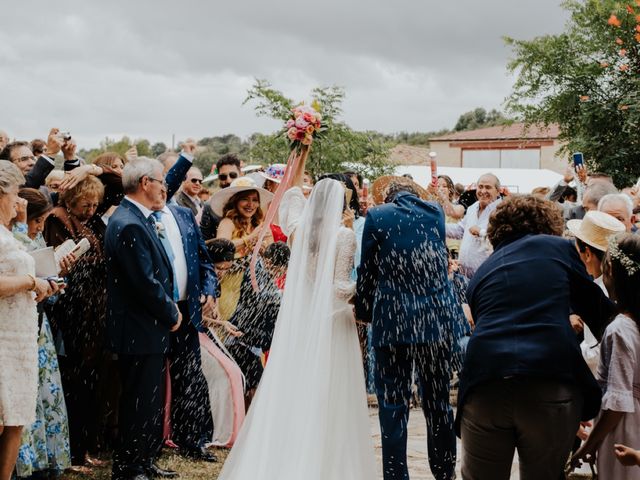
x,y
156,217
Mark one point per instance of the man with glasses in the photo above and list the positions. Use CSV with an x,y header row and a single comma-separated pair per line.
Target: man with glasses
x,y
35,169
228,168
188,195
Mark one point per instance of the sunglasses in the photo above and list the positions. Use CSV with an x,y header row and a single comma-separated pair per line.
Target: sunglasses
x,y
224,176
196,180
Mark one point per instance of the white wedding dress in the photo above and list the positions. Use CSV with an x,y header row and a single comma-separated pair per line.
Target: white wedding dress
x,y
309,419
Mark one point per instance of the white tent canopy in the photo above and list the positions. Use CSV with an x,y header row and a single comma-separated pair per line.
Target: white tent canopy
x,y
517,180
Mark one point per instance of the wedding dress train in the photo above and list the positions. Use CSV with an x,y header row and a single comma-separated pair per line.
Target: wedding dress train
x,y
309,419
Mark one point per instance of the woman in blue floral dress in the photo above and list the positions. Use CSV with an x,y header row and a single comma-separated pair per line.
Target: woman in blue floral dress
x,y
45,444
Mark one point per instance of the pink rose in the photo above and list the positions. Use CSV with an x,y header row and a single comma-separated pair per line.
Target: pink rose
x,y
308,117
292,133
307,140
310,129
290,123
301,123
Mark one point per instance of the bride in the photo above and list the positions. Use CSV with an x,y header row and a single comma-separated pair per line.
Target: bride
x,y
309,418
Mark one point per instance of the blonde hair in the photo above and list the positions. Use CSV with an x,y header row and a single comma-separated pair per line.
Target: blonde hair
x,y
10,176
89,186
54,176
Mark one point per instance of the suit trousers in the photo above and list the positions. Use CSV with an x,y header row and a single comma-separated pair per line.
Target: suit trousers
x,y
538,417
141,413
393,378
191,418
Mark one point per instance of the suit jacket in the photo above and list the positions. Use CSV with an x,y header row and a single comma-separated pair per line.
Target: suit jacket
x,y
209,222
201,277
403,287
185,201
140,306
520,299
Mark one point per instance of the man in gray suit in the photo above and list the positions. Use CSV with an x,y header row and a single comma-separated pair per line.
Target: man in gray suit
x,y
188,195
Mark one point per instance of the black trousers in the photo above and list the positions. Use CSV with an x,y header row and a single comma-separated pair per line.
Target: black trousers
x,y
141,413
191,418
80,378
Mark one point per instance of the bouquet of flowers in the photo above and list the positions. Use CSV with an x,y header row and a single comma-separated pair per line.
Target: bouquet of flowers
x,y
304,125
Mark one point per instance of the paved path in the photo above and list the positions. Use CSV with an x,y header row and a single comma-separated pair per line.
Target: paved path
x,y
416,448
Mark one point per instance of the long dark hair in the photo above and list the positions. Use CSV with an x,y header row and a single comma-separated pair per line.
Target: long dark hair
x,y
354,203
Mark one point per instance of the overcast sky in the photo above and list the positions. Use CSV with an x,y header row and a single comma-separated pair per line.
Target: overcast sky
x,y
153,68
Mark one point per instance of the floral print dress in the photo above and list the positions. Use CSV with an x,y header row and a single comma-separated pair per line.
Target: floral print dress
x,y
45,444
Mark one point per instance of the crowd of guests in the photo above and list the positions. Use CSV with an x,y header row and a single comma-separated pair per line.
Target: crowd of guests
x,y
540,350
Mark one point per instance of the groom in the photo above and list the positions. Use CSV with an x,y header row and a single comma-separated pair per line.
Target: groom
x,y
404,291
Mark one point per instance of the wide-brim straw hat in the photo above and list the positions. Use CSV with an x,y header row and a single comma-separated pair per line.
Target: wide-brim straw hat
x,y
596,228
381,185
242,184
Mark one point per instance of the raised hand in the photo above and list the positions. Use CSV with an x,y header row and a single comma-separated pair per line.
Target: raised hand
x,y
189,146
54,142
69,149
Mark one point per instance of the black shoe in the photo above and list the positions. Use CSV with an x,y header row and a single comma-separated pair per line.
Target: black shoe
x,y
154,471
198,453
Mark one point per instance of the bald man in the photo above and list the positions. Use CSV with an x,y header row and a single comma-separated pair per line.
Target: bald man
x,y
472,229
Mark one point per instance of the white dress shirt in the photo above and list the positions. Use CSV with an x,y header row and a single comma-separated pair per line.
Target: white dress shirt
x,y
175,239
474,250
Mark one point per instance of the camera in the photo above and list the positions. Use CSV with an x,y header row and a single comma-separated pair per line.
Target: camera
x,y
66,136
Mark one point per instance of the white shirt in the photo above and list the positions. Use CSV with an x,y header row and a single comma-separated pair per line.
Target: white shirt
x,y
175,239
473,250
590,346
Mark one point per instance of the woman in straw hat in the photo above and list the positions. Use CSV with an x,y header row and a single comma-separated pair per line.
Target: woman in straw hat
x,y
241,206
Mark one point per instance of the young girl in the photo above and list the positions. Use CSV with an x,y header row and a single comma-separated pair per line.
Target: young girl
x,y
619,368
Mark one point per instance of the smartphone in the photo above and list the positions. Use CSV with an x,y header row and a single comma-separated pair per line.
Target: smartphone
x,y
578,160
81,248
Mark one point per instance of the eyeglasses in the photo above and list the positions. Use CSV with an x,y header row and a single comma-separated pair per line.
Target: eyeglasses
x,y
196,180
161,182
224,176
24,159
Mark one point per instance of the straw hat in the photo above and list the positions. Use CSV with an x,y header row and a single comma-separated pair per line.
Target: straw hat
x,y
381,185
242,184
595,229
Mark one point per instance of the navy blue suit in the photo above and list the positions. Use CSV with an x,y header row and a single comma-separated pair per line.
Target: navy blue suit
x,y
190,408
521,298
140,314
404,290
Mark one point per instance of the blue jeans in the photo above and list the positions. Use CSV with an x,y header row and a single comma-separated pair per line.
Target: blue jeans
x,y
393,378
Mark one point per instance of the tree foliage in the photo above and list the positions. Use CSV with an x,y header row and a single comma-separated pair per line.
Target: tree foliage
x,y
340,148
586,80
480,118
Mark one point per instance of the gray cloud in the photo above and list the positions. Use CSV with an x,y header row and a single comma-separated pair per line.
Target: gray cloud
x,y
150,69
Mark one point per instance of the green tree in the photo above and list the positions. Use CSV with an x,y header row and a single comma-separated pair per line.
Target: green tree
x,y
586,80
479,118
158,148
339,149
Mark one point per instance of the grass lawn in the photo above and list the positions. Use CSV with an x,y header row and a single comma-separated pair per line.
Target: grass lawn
x,y
188,469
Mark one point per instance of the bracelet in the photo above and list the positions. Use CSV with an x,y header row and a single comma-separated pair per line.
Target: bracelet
x,y
33,283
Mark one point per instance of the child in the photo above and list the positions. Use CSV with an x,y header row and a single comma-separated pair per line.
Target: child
x,y
619,367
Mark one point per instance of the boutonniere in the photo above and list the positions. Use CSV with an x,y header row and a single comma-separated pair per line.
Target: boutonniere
x,y
160,229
